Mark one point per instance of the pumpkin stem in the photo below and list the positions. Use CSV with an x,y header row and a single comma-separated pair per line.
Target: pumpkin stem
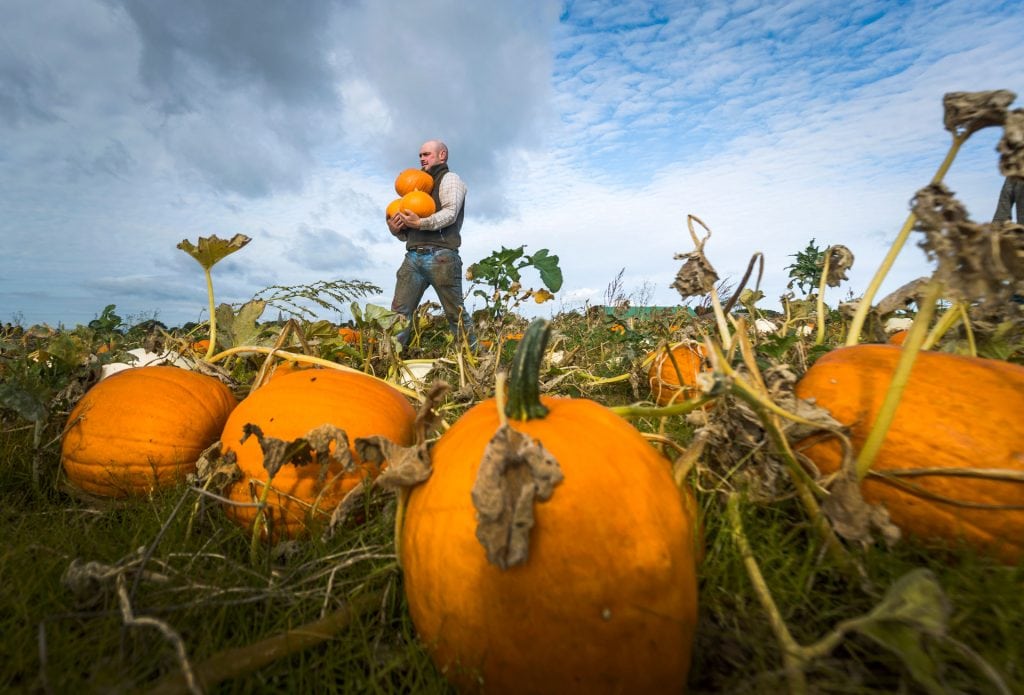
x,y
864,305
524,378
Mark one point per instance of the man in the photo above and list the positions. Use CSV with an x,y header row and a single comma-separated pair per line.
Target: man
x,y
432,248
1012,192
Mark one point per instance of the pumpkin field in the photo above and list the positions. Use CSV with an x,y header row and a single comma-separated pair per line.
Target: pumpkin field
x,y
823,494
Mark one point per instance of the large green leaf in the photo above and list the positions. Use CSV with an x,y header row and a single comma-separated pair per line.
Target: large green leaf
x,y
547,265
211,249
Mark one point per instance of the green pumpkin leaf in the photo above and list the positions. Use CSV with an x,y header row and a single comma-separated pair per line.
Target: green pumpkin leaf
x,y
550,273
913,606
212,249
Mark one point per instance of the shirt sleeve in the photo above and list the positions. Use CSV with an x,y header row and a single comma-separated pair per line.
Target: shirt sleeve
x,y
453,197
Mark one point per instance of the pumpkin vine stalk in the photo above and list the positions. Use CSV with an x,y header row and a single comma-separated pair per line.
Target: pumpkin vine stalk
x,y
207,252
864,305
887,411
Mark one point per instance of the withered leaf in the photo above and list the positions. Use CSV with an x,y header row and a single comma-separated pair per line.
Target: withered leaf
x,y
407,466
967,112
977,263
314,447
211,249
1011,146
516,472
840,260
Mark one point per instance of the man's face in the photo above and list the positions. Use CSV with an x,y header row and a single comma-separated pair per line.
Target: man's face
x,y
429,155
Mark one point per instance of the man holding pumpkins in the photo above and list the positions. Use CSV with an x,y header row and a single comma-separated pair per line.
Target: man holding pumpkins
x,y
431,242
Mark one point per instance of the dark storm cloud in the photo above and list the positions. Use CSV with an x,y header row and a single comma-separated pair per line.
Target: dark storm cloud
x,y
279,49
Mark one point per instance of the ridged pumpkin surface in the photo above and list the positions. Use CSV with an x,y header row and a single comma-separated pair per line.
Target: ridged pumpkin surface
x,y
413,180
956,412
143,428
607,600
664,379
418,202
288,407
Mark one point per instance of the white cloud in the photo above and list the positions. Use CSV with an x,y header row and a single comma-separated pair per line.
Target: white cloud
x,y
589,129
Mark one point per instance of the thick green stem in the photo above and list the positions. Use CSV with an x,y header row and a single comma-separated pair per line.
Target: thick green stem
x,y
213,315
524,378
886,413
864,305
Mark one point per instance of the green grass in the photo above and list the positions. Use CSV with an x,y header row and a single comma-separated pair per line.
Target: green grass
x,y
63,629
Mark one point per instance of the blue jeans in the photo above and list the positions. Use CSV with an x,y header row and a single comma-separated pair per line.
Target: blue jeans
x,y
438,268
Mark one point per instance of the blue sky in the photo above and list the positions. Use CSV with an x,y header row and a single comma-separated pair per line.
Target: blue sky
x,y
590,129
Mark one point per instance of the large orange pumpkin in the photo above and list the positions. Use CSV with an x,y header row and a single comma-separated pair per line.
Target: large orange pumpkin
x,y
956,413
418,202
142,429
287,408
413,180
673,379
606,600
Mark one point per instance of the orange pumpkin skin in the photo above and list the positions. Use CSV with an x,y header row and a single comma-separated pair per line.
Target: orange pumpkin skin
x,y
671,386
419,203
413,180
607,600
143,429
899,337
288,407
393,207
943,421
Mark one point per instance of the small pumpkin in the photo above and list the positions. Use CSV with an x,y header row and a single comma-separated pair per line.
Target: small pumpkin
x,y
899,337
419,203
393,207
348,334
413,180
289,407
142,429
606,598
672,375
956,412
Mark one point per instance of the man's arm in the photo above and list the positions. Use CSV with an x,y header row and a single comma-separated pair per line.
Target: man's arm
x,y
452,196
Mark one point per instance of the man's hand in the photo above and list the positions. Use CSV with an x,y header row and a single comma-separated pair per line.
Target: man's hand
x,y
396,224
409,219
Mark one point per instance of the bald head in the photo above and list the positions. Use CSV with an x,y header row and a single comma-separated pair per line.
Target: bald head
x,y
433,152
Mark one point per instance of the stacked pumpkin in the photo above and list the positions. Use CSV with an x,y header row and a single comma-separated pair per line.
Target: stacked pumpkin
x,y
301,495
142,429
951,463
413,187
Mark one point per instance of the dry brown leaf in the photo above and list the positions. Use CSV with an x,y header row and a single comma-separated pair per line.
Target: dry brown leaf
x,y
967,112
515,473
977,263
1011,146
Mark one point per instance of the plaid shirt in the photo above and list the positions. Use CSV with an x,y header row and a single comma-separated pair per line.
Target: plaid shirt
x,y
452,195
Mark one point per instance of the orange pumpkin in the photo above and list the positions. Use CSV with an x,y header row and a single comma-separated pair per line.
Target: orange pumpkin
x,y
393,207
349,335
200,345
413,180
606,600
288,367
899,337
956,413
419,203
674,379
287,408
142,429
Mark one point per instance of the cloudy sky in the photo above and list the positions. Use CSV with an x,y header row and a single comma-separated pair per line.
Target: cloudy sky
x,y
591,129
